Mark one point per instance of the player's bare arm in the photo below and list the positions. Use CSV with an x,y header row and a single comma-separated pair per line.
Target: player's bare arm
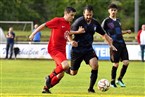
x,y
126,32
41,27
79,31
72,42
109,40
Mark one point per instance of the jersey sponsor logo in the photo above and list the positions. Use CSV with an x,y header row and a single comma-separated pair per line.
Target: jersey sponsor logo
x,y
111,25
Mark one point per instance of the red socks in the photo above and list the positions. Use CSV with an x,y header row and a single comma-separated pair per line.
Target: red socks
x,y
54,81
56,71
53,75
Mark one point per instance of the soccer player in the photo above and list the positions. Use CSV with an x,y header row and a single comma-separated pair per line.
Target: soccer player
x,y
112,26
84,50
60,27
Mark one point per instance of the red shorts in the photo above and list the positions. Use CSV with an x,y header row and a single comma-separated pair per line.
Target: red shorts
x,y
58,56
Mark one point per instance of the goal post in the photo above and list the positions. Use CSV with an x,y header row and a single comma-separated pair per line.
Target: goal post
x,y
23,24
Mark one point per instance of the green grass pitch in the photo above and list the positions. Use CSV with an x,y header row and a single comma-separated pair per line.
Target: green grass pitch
x,y
25,78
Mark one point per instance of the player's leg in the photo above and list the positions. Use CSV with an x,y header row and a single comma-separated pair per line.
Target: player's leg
x,y
55,80
91,59
94,74
52,82
114,57
113,74
54,75
57,74
125,60
59,68
76,59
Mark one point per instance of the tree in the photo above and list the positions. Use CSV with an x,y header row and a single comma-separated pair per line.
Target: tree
x,y
41,11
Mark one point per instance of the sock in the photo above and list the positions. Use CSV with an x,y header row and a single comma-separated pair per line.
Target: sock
x,y
113,73
56,71
123,71
54,81
93,78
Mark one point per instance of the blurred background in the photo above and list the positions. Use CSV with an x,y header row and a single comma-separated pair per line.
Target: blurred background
x,y
30,12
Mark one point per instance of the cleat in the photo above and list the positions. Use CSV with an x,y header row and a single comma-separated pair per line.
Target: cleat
x,y
91,91
120,82
48,81
46,90
113,85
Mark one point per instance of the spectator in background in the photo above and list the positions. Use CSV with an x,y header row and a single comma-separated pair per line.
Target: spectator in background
x,y
10,42
37,36
141,41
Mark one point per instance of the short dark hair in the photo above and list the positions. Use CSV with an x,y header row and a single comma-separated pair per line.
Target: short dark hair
x,y
112,6
89,8
69,9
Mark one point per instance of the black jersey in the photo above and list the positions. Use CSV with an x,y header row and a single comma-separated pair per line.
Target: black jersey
x,y
85,40
113,29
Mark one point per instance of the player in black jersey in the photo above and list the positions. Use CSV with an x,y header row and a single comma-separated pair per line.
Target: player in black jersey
x,y
112,26
83,50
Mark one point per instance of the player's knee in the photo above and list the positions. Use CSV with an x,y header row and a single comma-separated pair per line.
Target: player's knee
x,y
126,62
116,65
94,66
65,65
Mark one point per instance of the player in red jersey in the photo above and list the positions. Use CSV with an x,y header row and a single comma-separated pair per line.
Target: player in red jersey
x,y
60,27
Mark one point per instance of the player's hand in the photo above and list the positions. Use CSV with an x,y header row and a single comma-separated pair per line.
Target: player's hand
x,y
113,48
74,43
128,31
80,30
31,37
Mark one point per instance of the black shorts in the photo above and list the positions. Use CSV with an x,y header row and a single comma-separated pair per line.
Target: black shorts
x,y
77,58
119,55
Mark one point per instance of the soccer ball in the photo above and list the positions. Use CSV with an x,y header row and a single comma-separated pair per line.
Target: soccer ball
x,y
103,85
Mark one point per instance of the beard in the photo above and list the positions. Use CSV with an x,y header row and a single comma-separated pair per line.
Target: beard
x,y
88,20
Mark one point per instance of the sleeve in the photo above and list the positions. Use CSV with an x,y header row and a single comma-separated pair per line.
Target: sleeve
x,y
138,36
75,25
103,25
100,30
52,24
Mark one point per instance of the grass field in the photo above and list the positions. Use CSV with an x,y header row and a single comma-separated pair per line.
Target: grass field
x,y
25,78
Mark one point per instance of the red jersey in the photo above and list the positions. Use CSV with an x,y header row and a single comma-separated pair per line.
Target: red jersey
x,y
59,32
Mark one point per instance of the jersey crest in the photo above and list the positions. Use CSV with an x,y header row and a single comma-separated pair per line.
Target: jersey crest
x,y
66,34
111,25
